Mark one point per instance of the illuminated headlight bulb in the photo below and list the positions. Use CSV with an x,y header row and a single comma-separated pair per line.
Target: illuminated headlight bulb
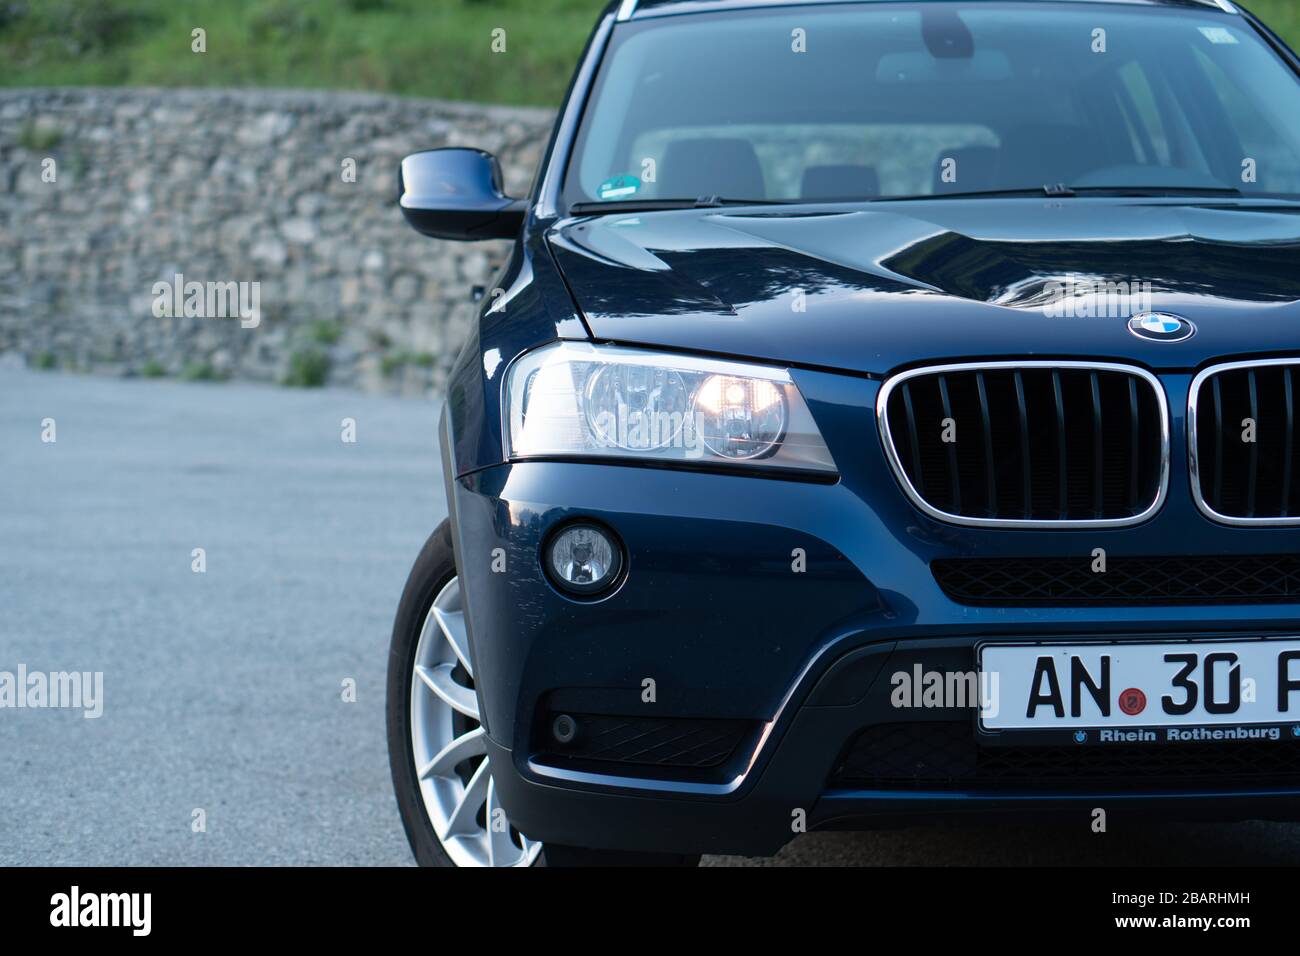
x,y
740,417
583,559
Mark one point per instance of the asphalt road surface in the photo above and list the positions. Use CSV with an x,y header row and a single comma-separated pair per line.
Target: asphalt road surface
x,y
223,690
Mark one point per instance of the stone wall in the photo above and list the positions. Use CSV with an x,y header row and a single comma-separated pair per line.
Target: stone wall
x,y
238,186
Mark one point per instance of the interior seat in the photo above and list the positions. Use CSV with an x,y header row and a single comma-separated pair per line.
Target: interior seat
x,y
692,168
977,169
842,181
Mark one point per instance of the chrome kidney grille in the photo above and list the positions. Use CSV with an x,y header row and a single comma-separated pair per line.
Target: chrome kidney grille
x,y
1241,433
1028,444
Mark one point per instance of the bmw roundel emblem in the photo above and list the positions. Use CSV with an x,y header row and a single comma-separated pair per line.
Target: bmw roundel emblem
x,y
1161,327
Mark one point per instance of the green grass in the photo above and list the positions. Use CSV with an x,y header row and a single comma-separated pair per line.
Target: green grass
x,y
325,331
1282,15
38,138
391,362
201,372
439,48
308,368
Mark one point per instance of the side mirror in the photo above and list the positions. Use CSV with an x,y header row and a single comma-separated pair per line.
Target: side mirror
x,y
456,194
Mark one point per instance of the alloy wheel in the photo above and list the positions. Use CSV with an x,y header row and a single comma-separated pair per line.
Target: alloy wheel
x,y
449,747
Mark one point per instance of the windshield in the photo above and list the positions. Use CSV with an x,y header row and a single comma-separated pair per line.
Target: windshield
x,y
879,101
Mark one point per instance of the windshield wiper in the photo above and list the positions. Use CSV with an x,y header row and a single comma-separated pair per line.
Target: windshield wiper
x,y
1050,190
1053,190
655,205
1062,191
1157,191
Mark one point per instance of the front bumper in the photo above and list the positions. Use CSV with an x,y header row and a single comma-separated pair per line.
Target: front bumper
x,y
715,613
787,787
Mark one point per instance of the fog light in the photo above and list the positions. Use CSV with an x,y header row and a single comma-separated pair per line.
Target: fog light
x,y
584,559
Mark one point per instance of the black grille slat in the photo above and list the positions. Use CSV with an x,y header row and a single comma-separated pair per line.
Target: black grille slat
x,y
1071,582
1027,475
914,441
1218,445
1239,478
954,473
990,462
1135,444
948,755
1252,483
1063,456
1098,449
1289,441
1035,443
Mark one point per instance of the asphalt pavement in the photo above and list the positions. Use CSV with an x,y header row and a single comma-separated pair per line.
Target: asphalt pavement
x,y
224,691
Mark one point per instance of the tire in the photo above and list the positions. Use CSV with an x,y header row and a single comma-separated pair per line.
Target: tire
x,y
432,579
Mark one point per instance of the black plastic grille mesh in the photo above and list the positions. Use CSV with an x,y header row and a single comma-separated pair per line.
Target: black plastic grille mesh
x,y
1040,444
1241,478
1061,582
944,755
647,741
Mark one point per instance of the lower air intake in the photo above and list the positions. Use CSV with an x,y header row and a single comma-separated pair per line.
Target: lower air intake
x,y
673,742
1070,582
945,755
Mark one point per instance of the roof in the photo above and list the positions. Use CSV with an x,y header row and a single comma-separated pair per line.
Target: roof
x,y
636,9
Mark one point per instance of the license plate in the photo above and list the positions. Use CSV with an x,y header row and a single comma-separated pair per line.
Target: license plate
x,y
1141,685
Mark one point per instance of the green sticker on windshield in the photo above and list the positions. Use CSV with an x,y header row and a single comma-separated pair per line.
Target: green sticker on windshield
x,y
620,187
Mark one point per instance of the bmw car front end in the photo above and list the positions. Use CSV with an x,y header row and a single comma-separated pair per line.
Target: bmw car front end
x,y
887,411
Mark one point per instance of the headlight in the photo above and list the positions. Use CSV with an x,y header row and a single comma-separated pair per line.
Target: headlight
x,y
577,400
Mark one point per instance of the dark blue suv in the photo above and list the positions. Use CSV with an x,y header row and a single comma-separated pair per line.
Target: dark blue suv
x,y
888,411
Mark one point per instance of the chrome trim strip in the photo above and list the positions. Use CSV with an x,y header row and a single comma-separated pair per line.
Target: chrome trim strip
x,y
626,10
668,9
882,421
1193,455
682,786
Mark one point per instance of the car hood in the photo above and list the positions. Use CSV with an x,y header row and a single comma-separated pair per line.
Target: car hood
x,y
875,286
